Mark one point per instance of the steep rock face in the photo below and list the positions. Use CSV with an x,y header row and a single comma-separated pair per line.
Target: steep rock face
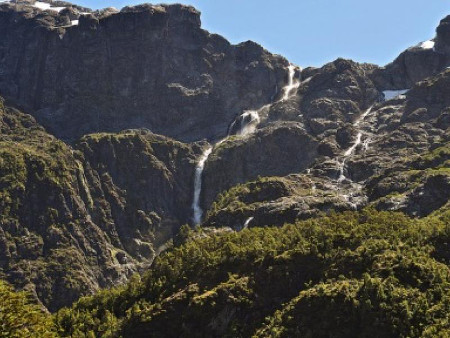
x,y
145,66
428,100
327,98
336,95
146,181
443,36
310,126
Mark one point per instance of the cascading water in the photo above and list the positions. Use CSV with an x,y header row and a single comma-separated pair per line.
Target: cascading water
x,y
349,152
198,212
248,127
366,144
249,121
313,185
292,85
247,222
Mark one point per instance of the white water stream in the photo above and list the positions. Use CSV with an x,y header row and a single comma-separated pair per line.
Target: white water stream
x,y
292,85
349,152
249,127
198,212
249,121
247,222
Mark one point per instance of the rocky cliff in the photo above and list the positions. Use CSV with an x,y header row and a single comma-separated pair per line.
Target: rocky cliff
x,y
145,66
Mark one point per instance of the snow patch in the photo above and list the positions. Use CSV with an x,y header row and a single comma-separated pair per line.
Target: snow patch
x,y
56,9
392,94
427,44
41,5
46,6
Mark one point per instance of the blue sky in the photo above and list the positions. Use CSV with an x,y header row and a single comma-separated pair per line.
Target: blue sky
x,y
313,32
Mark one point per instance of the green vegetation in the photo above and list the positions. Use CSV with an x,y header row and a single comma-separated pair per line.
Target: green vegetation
x,y
425,175
30,160
41,213
20,318
249,196
65,213
437,158
138,139
365,274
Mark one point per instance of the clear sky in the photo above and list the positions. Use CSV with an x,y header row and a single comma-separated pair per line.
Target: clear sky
x,y
313,32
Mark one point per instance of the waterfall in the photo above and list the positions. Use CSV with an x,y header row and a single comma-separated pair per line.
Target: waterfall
x,y
250,119
250,126
366,144
313,185
349,152
292,84
249,122
247,222
198,212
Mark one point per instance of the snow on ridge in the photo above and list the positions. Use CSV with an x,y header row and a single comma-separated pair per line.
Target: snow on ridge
x,y
427,44
392,94
57,9
41,5
46,6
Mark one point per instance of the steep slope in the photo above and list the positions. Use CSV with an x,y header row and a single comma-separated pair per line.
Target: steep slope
x,y
49,245
20,317
145,66
351,130
72,221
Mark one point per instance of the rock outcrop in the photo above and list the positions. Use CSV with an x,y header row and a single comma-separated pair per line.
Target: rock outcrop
x,y
276,150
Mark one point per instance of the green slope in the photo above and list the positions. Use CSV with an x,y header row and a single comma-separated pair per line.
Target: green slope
x,y
366,274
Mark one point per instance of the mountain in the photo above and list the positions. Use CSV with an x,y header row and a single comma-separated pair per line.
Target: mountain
x,y
143,67
119,127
